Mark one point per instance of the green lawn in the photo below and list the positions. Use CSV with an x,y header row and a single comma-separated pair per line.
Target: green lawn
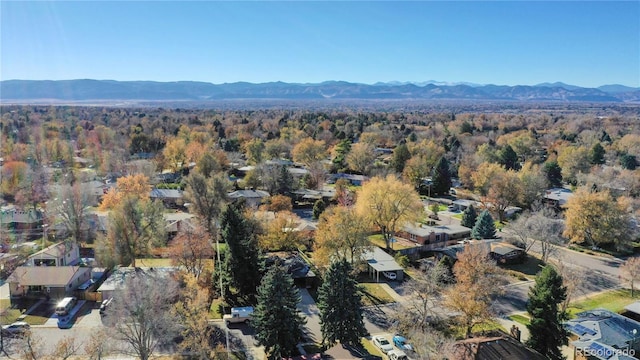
x,y
522,319
370,348
614,300
215,309
378,240
374,294
458,332
457,216
529,268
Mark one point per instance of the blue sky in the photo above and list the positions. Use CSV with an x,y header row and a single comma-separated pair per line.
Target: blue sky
x,y
583,43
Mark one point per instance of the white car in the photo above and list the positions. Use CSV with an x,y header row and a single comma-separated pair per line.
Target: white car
x,y
389,275
397,355
382,343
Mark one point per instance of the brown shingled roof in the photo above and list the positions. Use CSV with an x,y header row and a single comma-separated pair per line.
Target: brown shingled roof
x,y
43,275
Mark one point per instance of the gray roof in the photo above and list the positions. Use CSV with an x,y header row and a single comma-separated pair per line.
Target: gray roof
x,y
117,278
13,215
248,194
604,327
634,308
166,194
380,260
425,230
561,195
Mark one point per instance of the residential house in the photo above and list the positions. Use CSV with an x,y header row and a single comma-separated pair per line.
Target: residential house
x,y
115,281
353,179
505,253
379,261
602,334
60,254
253,198
46,281
495,346
171,198
177,221
557,197
174,221
20,221
434,236
463,204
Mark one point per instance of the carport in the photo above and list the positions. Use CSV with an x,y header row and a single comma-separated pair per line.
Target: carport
x,y
379,261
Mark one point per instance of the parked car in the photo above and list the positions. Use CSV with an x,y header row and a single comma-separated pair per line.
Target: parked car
x,y
401,343
390,275
397,355
17,328
382,343
105,304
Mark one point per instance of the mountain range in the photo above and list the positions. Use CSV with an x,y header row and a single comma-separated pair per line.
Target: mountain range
x,y
86,89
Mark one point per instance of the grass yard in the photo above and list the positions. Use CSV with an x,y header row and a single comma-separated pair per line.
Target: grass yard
x,y
529,267
614,300
457,216
36,320
370,348
153,262
378,240
458,332
521,319
215,311
374,294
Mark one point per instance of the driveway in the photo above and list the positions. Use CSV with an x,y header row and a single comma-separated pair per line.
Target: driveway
x,y
309,309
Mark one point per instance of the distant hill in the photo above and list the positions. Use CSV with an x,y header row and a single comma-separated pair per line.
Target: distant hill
x,y
86,89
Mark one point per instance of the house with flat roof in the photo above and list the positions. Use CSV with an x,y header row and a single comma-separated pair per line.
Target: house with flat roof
x,y
557,197
602,334
378,261
116,280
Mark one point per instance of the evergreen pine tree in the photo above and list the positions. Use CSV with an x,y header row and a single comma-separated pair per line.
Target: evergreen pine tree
x,y
508,158
553,171
242,262
276,319
484,227
628,162
284,181
400,156
596,155
340,306
318,208
469,217
441,179
547,333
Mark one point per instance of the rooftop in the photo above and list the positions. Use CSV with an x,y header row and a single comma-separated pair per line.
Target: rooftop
x,y
603,327
43,275
380,260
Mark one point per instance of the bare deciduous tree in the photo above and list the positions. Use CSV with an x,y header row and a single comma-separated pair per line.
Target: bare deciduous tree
x,y
426,293
191,249
141,312
630,270
65,348
540,227
97,348
572,278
